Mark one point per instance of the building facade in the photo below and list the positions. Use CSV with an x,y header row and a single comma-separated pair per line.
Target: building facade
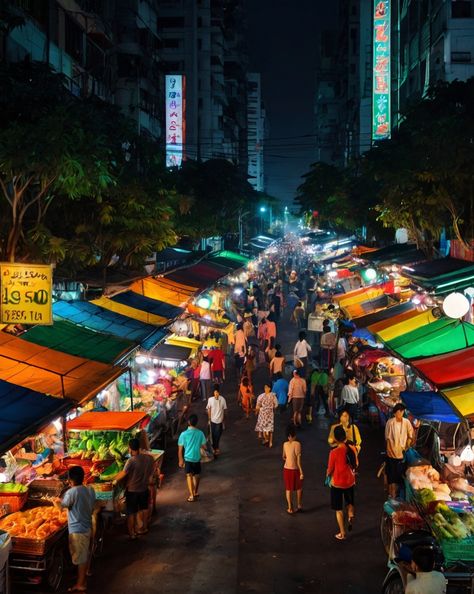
x,y
255,132
202,40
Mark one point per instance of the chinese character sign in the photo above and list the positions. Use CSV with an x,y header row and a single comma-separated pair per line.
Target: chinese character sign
x,y
26,293
381,71
175,89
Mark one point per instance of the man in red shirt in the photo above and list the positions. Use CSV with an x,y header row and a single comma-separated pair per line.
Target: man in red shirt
x,y
217,359
342,481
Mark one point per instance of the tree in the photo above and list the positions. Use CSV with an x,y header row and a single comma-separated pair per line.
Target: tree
x,y
52,146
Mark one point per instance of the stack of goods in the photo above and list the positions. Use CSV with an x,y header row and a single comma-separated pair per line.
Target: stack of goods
x,y
13,497
38,523
426,483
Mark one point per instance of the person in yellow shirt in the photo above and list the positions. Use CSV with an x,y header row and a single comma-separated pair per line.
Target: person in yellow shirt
x,y
352,431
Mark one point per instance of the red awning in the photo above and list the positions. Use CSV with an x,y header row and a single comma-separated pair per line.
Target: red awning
x,y
370,356
106,421
449,369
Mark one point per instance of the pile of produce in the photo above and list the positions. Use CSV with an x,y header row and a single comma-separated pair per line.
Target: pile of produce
x,y
6,488
99,445
37,523
448,524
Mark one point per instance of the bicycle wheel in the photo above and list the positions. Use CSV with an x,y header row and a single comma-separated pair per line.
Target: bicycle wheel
x,y
386,531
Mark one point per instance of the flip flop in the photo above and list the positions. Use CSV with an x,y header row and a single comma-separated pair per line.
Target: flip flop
x,y
290,511
191,499
76,589
350,522
339,536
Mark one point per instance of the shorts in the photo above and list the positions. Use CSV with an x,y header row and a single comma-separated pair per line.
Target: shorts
x,y
395,470
338,496
218,374
192,467
297,404
292,480
79,547
136,501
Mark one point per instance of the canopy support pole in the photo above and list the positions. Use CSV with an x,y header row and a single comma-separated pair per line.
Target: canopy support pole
x,y
131,388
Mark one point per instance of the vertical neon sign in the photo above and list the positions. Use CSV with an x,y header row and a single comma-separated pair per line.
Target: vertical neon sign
x,y
175,91
381,122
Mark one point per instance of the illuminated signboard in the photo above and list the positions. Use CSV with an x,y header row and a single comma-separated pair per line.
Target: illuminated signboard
x,y
381,71
26,293
175,89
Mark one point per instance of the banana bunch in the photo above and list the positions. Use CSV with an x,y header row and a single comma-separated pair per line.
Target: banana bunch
x,y
100,445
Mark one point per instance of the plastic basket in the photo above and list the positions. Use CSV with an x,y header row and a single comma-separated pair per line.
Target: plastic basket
x,y
458,550
15,501
104,495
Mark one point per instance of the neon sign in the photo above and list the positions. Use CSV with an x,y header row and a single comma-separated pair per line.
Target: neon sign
x,y
381,121
175,88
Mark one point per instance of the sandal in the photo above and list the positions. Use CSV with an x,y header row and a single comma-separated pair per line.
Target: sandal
x,y
191,499
339,536
290,511
350,523
76,589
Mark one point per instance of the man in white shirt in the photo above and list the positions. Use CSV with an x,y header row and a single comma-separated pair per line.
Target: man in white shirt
x,y
216,410
399,436
425,580
350,396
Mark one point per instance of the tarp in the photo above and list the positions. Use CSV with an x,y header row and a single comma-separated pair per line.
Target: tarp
x,y
170,352
392,254
52,372
439,337
76,340
370,356
229,260
357,295
24,412
183,341
430,406
462,398
361,308
397,329
97,318
382,314
152,306
202,275
392,320
442,276
448,370
166,291
130,312
106,421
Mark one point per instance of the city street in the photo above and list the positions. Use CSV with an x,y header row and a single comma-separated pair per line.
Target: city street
x,y
238,536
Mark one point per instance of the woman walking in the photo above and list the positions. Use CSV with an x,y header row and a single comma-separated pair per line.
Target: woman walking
x,y
352,431
266,404
341,477
292,470
301,352
246,396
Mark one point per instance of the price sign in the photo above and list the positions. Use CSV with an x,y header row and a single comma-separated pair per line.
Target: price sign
x,y
26,293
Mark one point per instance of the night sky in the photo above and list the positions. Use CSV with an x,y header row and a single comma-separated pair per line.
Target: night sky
x,y
282,46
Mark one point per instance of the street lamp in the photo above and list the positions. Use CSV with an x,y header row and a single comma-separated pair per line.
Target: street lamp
x,y
263,209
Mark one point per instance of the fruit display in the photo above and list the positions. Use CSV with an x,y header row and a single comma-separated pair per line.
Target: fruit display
x,y
99,445
37,523
13,488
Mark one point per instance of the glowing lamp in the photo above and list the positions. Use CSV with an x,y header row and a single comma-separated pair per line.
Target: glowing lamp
x,y
332,273
204,302
370,274
262,209
456,305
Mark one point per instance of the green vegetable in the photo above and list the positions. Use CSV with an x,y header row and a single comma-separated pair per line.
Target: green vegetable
x,y
13,488
111,472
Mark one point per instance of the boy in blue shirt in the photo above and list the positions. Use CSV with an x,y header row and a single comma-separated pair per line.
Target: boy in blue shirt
x,y
190,443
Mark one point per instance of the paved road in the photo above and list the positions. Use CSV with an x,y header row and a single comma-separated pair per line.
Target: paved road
x,y
238,538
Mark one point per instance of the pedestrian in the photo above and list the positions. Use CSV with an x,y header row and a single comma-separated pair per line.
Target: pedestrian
x,y
190,445
277,303
265,408
351,429
217,360
318,394
298,315
280,387
248,325
297,395
246,396
240,349
205,378
216,410
194,372
271,329
138,471
262,334
250,362
423,579
301,351
292,470
399,437
350,395
341,478
79,500
277,365
328,344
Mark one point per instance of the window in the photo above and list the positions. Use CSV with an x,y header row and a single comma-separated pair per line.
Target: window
x,y
74,39
170,22
461,9
171,43
461,57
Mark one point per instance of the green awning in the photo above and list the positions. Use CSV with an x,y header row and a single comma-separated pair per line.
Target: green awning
x,y
439,337
442,276
76,340
229,259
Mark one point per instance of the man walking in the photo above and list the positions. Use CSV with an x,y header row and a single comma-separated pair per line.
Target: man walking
x,y
190,444
297,395
399,436
216,410
138,471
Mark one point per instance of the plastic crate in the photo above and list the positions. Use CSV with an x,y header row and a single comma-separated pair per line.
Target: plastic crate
x,y
15,501
458,550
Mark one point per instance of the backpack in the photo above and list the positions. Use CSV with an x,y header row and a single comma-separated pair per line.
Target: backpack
x,y
351,458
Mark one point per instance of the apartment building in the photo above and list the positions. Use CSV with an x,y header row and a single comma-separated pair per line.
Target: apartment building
x,y
255,132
